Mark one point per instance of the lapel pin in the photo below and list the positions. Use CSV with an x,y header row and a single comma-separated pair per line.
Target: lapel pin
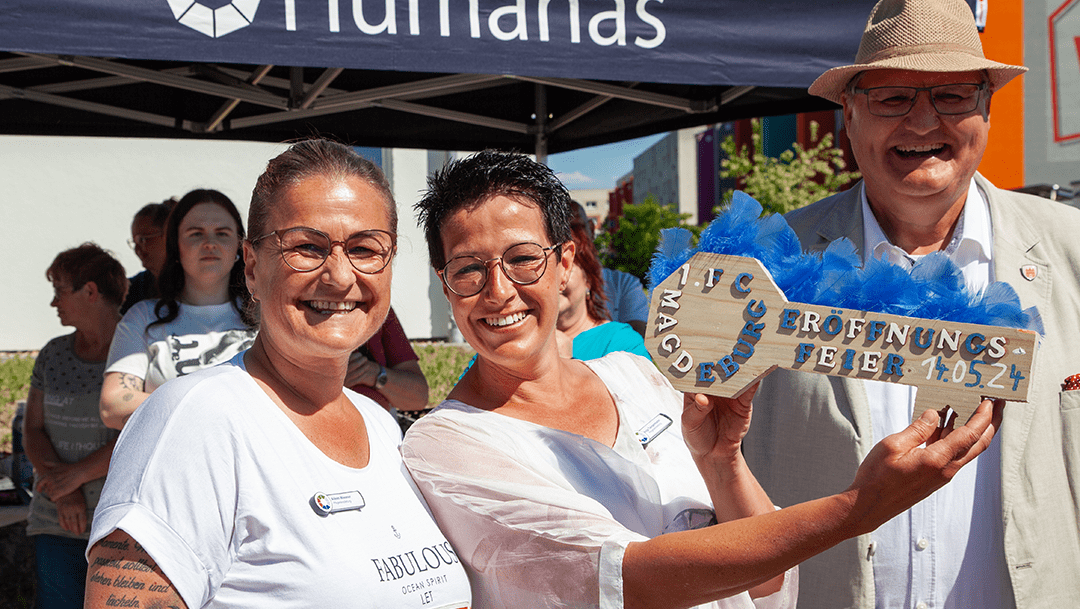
x,y
1029,271
653,428
328,503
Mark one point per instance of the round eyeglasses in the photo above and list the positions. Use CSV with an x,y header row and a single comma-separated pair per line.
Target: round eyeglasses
x,y
306,249
946,99
142,239
524,264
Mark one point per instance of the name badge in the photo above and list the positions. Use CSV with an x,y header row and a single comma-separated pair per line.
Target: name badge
x,y
653,428
328,503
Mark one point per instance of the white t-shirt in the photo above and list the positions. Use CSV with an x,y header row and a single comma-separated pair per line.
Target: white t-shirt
x,y
199,337
542,517
219,486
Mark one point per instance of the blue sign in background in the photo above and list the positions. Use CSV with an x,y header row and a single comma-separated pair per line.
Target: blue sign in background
x,y
781,43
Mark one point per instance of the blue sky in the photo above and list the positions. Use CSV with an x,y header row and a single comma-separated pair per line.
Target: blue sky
x,y
599,166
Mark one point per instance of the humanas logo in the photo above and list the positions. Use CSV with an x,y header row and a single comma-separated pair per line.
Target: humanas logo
x,y
508,23
214,22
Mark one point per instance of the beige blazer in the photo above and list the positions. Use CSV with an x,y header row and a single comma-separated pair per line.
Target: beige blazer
x,y
810,432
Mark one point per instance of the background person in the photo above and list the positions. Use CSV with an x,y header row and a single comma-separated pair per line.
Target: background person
x,y
220,480
65,439
1005,532
197,322
625,295
532,466
583,315
387,370
148,241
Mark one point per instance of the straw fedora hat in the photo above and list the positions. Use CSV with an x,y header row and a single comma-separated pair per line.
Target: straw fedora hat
x,y
918,35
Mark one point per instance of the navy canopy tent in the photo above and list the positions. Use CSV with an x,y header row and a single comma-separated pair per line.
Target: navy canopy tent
x,y
441,74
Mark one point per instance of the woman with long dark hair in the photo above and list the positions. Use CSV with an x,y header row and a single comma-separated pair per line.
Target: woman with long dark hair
x,y
199,319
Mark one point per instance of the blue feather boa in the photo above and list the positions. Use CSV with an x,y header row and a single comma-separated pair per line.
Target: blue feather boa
x,y
933,289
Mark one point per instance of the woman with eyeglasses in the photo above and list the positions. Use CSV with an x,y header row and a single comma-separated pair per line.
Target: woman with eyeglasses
x,y
64,438
263,482
148,241
555,478
199,318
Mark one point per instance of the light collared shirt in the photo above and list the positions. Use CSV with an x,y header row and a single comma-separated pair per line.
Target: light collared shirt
x,y
946,552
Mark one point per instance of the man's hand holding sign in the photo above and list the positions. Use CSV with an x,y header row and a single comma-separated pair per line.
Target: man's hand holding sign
x,y
720,321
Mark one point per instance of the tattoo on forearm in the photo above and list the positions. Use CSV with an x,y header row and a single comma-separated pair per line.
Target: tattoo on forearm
x,y
130,577
130,381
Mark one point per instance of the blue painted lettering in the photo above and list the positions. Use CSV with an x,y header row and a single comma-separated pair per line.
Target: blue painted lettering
x,y
728,365
740,285
917,338
893,365
970,345
876,328
705,374
788,317
849,358
758,312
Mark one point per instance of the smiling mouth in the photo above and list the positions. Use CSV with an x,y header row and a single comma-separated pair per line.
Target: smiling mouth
x,y
499,322
925,150
327,307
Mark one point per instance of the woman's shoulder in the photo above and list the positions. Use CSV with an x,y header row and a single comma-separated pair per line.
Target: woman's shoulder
x,y
56,346
378,419
140,312
627,373
204,392
622,330
611,331
458,416
625,363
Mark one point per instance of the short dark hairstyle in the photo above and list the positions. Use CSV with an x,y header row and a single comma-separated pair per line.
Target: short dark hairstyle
x,y
308,159
588,259
86,263
157,213
171,281
469,182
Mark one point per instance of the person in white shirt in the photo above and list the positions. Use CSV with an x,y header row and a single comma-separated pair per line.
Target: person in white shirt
x,y
199,319
555,479
262,482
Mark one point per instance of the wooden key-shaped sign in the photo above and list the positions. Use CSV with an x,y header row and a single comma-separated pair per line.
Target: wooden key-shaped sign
x,y
719,322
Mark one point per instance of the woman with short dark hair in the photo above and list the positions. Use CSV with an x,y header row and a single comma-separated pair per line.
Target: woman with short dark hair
x,y
555,478
148,241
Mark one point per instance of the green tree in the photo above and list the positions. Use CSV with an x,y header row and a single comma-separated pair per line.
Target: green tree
x,y
630,246
799,177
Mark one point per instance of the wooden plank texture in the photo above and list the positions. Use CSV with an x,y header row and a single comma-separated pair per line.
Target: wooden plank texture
x,y
719,322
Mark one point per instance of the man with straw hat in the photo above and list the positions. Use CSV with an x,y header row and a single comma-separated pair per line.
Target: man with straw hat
x,y
1004,533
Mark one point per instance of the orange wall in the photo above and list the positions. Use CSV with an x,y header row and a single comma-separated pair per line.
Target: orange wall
x,y
1003,40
